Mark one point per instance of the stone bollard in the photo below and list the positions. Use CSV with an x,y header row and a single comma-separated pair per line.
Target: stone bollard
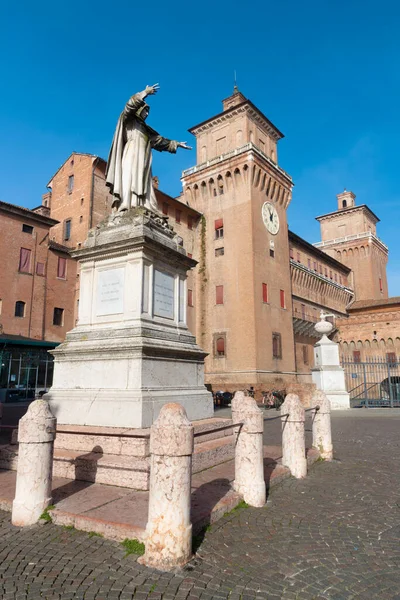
x,y
321,427
36,434
249,460
169,530
293,436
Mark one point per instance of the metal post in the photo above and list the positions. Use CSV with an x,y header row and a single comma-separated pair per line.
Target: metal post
x,y
365,386
390,385
9,372
45,374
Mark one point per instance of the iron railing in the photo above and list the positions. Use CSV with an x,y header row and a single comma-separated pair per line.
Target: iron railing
x,y
373,382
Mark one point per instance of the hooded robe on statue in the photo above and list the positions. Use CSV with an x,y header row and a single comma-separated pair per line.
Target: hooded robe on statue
x,y
128,173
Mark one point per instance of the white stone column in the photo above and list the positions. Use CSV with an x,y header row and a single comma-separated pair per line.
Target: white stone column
x,y
321,425
169,530
293,436
36,433
327,374
249,460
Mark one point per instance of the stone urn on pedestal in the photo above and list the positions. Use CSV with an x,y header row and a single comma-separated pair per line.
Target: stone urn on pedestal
x,y
327,374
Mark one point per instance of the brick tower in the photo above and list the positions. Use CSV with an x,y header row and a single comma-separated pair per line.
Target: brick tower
x,y
242,282
349,235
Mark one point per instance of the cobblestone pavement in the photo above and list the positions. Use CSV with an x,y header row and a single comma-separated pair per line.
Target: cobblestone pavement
x,y
334,535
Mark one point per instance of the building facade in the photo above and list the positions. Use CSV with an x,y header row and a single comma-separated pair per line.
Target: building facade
x,y
38,279
258,288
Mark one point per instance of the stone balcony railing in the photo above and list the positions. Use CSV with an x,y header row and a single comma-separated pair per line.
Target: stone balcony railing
x,y
348,238
238,151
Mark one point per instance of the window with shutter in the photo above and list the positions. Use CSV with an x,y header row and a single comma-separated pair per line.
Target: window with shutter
x,y
276,345
282,298
178,215
356,356
219,228
265,292
67,230
40,269
24,260
190,222
220,346
62,268
219,294
165,208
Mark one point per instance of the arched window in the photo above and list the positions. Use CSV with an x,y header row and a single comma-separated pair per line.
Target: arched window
x,y
20,309
344,204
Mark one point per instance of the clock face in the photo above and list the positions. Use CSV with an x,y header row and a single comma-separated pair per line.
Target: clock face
x,y
270,217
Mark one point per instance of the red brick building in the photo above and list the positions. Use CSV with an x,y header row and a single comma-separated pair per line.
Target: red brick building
x,y
37,278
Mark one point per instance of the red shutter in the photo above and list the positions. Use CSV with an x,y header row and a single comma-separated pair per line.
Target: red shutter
x,y
221,346
357,356
265,292
282,295
165,208
62,268
25,260
178,214
190,297
309,263
219,293
218,223
190,222
380,285
298,257
190,255
291,253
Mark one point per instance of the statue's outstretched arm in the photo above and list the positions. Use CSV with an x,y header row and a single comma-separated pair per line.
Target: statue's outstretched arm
x,y
137,100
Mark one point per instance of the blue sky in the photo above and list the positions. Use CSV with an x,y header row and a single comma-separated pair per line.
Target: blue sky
x,y
326,73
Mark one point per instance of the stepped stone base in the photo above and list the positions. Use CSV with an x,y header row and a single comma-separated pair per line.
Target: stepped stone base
x,y
101,455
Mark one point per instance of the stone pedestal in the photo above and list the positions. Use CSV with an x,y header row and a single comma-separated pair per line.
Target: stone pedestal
x,y
327,374
131,351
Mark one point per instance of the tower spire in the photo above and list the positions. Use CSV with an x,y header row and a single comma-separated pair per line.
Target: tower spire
x,y
235,87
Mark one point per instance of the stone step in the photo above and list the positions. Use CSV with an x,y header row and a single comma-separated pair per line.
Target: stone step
x,y
111,469
124,470
213,452
85,438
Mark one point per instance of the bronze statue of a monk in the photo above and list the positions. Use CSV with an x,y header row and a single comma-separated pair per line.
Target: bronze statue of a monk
x,y
128,173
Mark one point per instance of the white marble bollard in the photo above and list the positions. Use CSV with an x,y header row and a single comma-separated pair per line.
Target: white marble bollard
x,y
36,433
249,460
321,425
293,436
169,530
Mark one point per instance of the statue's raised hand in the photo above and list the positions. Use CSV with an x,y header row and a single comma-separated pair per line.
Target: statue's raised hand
x,y
184,145
152,89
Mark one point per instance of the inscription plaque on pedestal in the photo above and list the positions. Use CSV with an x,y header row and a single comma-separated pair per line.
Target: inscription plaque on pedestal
x,y
110,292
163,295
